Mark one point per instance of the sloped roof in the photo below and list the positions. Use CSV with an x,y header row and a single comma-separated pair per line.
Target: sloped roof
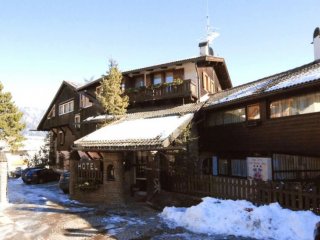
x,y
293,78
141,129
148,112
72,85
136,134
221,69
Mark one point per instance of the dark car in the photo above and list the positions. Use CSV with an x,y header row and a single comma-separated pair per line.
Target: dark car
x,y
41,175
25,171
64,182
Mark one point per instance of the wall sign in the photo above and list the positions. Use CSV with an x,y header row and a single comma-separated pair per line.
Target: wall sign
x,y
259,168
88,165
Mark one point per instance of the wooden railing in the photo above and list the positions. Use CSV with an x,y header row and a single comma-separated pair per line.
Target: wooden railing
x,y
186,89
295,196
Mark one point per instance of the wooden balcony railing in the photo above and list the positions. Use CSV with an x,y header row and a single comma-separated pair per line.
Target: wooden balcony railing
x,y
184,90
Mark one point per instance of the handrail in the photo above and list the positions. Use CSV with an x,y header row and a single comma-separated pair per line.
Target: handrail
x,y
187,88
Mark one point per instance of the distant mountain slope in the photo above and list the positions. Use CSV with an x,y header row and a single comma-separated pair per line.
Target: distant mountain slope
x,y
32,117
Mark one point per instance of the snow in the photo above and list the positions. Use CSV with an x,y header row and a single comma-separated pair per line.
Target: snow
x,y
148,128
265,86
311,75
242,218
100,117
244,92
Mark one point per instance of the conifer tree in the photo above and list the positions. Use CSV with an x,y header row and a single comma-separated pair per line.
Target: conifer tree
x,y
10,121
41,159
111,95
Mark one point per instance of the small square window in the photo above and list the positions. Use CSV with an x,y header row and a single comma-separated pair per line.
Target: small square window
x,y
253,112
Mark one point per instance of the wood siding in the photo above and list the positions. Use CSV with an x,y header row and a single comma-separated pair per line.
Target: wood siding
x,y
298,134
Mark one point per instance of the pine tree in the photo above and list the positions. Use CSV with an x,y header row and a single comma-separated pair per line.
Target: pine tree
x,y
10,121
41,159
111,95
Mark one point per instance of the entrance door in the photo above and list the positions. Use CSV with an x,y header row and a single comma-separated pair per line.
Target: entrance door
x,y
140,170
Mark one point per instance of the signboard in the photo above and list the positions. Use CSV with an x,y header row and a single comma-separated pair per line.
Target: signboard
x,y
259,168
89,165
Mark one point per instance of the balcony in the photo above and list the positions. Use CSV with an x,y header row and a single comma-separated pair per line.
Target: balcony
x,y
186,89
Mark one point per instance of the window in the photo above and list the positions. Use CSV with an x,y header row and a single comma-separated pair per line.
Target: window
x,y
139,82
157,79
239,167
84,101
98,90
77,121
295,167
61,137
169,77
223,166
207,166
253,112
110,173
226,117
295,105
52,112
65,108
208,83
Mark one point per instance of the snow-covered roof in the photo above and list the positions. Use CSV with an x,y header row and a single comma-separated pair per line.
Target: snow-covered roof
x,y
134,134
293,78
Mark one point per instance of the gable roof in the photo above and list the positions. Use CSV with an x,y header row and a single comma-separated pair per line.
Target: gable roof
x,y
71,85
220,67
141,130
297,77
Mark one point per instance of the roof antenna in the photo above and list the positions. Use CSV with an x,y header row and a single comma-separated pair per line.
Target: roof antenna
x,y
211,34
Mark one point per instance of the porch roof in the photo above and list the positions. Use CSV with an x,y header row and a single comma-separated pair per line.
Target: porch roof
x,y
144,133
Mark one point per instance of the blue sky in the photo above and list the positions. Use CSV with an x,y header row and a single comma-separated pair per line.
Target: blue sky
x,y
44,42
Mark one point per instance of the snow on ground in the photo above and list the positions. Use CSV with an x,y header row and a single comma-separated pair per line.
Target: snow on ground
x,y
242,218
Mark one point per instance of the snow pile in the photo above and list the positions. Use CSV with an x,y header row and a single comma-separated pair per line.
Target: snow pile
x,y
242,218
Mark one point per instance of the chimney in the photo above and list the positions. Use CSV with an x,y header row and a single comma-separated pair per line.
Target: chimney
x,y
205,49
316,43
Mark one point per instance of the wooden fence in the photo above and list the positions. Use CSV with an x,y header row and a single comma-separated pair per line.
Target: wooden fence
x,y
295,196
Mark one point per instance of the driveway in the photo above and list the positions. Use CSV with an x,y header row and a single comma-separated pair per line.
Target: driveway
x,y
44,212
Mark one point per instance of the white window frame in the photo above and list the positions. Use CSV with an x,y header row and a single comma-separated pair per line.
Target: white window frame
x,y
66,107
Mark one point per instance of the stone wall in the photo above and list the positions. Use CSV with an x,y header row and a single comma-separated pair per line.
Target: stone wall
x,y
113,192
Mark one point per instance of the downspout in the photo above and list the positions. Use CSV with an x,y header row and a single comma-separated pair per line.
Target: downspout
x,y
198,83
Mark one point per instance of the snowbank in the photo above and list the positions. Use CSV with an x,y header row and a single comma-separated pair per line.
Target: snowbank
x,y
242,218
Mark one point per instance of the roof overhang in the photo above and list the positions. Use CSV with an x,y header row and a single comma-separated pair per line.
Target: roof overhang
x,y
138,134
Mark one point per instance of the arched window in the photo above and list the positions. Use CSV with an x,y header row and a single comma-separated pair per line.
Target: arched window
x,y
110,173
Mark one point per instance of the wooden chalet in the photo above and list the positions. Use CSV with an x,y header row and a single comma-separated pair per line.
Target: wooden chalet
x,y
171,92
268,129
185,117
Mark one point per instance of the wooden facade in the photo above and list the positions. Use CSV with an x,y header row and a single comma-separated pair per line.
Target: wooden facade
x,y
289,139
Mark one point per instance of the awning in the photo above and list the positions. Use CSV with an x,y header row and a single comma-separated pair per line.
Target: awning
x,y
136,134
